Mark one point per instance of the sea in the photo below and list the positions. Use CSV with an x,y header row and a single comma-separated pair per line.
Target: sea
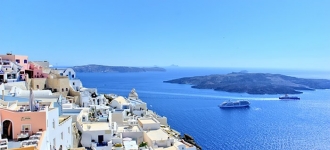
x,y
269,124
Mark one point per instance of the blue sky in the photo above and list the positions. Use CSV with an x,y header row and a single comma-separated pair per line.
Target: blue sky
x,y
204,33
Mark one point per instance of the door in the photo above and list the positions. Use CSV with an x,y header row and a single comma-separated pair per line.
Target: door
x,y
7,130
1,78
100,139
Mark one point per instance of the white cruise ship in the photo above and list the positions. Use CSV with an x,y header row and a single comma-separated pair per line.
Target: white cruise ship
x,y
230,104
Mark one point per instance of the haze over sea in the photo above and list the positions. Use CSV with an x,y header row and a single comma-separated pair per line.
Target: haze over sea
x,y
268,124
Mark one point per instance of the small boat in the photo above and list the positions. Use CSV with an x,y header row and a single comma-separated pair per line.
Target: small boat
x,y
236,104
287,97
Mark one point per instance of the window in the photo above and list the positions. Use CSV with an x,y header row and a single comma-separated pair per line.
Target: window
x,y
62,135
53,123
37,86
69,130
25,61
45,86
72,83
62,89
18,61
54,141
26,127
66,89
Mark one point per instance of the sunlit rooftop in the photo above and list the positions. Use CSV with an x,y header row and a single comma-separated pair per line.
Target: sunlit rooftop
x,y
129,129
96,126
147,121
156,135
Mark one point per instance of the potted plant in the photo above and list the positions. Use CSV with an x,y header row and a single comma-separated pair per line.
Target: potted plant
x,y
118,146
143,145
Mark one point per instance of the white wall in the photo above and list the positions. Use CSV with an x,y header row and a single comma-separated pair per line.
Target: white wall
x,y
151,126
66,129
93,135
2,87
116,104
45,144
162,120
84,98
67,71
117,117
76,84
55,133
138,112
135,135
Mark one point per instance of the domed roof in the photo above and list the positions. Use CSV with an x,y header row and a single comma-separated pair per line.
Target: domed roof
x,y
133,94
120,100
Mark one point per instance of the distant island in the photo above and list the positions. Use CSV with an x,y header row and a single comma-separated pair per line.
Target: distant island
x,y
121,69
173,65
253,83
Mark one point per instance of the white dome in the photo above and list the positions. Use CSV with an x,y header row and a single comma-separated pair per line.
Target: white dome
x,y
133,94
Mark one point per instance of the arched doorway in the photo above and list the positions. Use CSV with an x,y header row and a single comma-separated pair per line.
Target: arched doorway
x,y
7,130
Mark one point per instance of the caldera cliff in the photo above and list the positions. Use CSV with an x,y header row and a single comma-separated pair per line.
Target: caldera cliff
x,y
253,83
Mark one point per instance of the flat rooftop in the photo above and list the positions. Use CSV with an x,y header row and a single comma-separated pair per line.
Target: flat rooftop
x,y
96,126
129,129
147,121
26,107
130,145
157,135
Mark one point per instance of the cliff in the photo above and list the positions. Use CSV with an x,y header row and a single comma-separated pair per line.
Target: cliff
x,y
254,83
122,69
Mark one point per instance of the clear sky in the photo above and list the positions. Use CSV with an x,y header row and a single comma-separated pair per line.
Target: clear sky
x,y
209,33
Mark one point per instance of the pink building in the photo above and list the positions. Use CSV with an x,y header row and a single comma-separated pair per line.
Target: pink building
x,y
36,71
15,123
19,122
21,60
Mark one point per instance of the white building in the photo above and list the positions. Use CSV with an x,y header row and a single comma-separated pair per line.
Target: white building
x,y
120,103
89,96
95,128
9,71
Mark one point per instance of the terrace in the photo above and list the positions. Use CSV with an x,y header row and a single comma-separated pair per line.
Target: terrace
x,y
24,106
35,140
129,129
95,126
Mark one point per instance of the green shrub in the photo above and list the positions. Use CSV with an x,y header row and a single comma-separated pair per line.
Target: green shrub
x,y
143,144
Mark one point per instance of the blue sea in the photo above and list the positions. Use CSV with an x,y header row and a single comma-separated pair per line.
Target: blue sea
x,y
269,124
